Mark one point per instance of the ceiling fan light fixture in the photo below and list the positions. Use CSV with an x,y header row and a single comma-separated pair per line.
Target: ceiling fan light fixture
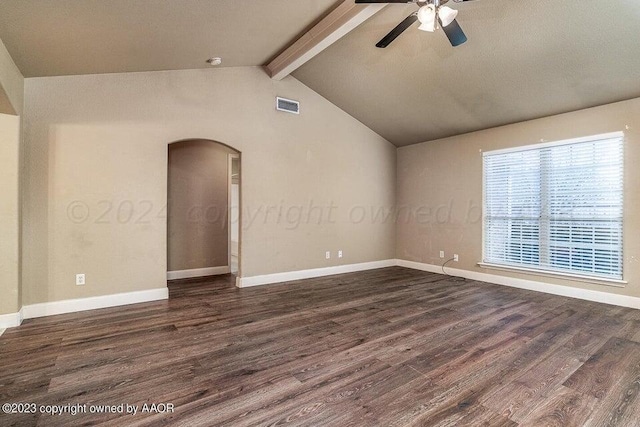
x,y
427,18
447,15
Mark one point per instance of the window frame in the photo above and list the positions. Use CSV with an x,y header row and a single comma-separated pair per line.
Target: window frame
x,y
541,270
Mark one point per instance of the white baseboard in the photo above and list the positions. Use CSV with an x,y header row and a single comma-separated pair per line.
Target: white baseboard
x,y
244,282
82,304
10,320
92,303
198,272
531,285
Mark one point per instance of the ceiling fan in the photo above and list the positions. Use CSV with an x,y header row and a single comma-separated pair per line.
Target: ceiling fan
x,y
432,15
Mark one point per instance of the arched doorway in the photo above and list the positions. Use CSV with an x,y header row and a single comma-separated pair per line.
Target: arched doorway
x,y
203,209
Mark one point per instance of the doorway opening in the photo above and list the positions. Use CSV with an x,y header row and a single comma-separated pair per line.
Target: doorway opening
x,y
203,209
234,213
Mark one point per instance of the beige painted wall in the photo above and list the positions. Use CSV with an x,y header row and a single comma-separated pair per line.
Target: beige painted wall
x,y
441,181
198,226
96,149
11,84
9,214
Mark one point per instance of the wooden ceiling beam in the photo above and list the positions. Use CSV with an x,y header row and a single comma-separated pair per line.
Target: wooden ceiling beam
x,y
339,22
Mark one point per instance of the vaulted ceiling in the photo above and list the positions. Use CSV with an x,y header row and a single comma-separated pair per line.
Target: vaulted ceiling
x,y
524,59
66,37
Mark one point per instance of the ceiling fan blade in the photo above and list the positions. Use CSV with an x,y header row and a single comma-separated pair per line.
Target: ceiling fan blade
x,y
386,40
454,33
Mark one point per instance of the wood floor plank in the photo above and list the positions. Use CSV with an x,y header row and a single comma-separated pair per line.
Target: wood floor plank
x,y
603,370
630,331
563,408
386,347
530,389
621,405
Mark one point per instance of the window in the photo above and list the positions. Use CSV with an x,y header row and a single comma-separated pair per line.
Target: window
x,y
556,207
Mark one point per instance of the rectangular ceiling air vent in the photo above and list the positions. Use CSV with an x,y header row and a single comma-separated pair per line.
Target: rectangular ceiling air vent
x,y
287,105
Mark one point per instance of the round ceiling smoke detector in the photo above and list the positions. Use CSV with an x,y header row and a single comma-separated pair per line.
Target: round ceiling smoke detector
x,y
214,61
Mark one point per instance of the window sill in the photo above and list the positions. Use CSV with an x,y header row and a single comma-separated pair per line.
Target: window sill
x,y
566,276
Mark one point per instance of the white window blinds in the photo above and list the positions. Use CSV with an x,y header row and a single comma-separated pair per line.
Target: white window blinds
x,y
556,207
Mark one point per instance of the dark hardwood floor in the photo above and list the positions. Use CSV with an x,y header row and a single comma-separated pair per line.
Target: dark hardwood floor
x,y
388,347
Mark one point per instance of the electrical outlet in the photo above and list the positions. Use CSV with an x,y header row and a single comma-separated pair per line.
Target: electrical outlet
x,y
441,254
80,280
327,255
339,254
455,258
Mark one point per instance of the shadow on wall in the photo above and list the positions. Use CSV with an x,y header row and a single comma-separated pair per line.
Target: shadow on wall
x,y
5,103
200,221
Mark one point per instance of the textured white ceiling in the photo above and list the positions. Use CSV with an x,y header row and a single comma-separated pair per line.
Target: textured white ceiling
x,y
63,37
524,59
